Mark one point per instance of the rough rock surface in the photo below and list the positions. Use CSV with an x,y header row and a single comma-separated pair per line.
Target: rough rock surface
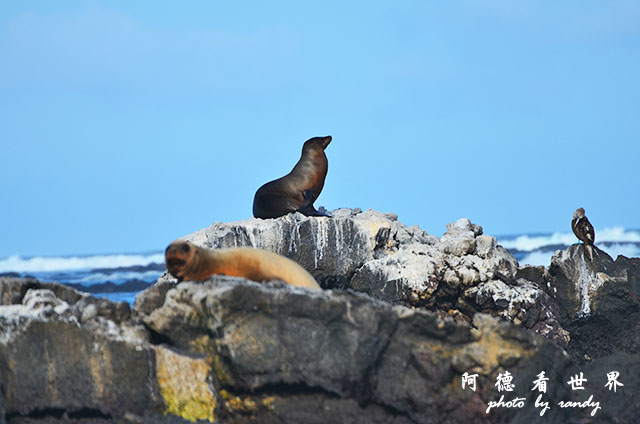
x,y
461,273
403,317
334,248
67,356
343,355
599,300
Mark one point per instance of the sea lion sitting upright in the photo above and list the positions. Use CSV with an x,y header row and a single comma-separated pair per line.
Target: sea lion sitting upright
x,y
186,261
296,191
583,229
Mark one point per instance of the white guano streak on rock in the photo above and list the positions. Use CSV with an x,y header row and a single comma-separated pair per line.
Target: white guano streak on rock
x,y
295,236
252,237
321,239
337,231
582,289
515,296
588,282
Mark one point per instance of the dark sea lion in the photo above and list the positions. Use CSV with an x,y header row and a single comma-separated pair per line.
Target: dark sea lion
x,y
186,261
296,191
583,229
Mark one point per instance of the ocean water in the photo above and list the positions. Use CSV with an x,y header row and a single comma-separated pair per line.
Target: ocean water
x,y
120,277
537,249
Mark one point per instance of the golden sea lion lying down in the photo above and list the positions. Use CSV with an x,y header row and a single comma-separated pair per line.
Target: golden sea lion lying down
x,y
186,261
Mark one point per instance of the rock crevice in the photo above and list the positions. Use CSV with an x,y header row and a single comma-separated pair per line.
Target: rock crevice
x,y
403,315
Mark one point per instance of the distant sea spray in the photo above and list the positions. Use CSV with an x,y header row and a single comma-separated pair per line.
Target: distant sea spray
x,y
537,249
70,263
118,277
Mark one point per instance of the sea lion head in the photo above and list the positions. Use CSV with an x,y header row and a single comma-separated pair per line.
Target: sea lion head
x,y
178,257
316,144
579,213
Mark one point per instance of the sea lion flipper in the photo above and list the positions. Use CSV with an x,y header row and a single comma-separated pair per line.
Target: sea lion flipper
x,y
326,214
311,211
308,209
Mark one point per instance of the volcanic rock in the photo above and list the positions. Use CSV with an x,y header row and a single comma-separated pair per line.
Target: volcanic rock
x,y
403,317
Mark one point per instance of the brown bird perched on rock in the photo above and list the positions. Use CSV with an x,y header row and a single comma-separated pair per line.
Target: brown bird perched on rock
x,y
583,229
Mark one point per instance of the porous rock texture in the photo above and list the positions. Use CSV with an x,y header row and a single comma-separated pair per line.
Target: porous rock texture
x,y
286,354
461,273
68,357
599,300
403,316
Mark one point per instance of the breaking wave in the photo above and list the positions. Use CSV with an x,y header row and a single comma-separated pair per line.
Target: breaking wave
x,y
543,257
117,277
533,242
57,263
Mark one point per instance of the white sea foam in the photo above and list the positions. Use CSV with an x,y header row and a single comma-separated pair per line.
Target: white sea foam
x,y
544,257
527,243
117,276
628,250
56,263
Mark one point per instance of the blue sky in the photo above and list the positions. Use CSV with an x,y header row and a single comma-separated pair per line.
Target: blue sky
x,y
125,125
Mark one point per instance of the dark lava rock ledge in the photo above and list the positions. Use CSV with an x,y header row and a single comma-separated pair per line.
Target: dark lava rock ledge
x,y
403,315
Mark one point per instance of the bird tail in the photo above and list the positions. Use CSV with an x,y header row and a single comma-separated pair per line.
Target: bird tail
x,y
589,251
